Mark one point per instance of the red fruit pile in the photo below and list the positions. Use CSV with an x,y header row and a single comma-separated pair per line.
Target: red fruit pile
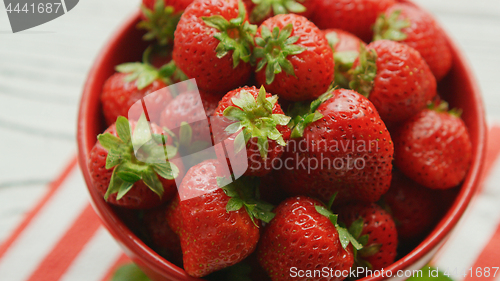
x,y
315,113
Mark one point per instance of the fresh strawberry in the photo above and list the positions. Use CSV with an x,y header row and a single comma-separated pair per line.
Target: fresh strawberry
x,y
261,127
213,43
340,145
160,18
354,16
304,235
261,10
219,221
418,29
294,59
395,78
125,180
433,148
164,239
345,47
135,81
375,229
118,95
192,108
414,207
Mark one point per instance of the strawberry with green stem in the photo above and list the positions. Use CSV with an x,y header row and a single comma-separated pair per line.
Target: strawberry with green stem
x,y
395,78
160,19
219,220
416,28
259,125
338,144
293,58
434,148
373,228
135,81
345,47
213,44
261,10
134,170
305,234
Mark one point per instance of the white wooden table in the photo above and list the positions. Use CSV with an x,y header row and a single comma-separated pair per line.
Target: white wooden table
x,y
42,71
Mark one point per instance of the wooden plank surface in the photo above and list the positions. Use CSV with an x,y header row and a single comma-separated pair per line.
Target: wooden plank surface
x,y
42,71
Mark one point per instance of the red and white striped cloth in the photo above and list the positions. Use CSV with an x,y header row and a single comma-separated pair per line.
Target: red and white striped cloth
x,y
61,238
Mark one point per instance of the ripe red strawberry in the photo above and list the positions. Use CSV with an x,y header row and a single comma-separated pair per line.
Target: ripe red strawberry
x,y
304,235
213,43
395,78
345,47
354,16
135,81
261,10
163,238
160,18
375,229
118,95
125,180
294,59
418,29
433,148
340,145
414,207
219,221
261,127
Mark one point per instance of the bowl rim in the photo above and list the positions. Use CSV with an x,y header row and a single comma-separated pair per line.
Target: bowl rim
x,y
141,253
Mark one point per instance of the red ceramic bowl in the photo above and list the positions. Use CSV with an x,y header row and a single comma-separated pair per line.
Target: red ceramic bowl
x,y
459,88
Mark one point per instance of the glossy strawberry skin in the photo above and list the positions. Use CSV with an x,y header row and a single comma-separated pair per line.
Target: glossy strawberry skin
x,y
434,149
139,196
354,16
350,129
379,225
257,166
195,48
425,36
313,68
346,41
211,237
310,5
414,207
404,84
300,237
118,96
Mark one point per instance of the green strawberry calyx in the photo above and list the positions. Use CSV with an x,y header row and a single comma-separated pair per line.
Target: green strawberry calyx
x,y
273,48
244,193
122,152
343,60
391,27
344,236
363,75
443,107
144,73
355,230
304,113
160,23
255,119
264,7
235,35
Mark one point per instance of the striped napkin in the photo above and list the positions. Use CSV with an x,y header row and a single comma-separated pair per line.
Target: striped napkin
x,y
61,238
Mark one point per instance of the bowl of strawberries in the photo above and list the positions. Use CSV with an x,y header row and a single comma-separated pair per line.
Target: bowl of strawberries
x,y
281,140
